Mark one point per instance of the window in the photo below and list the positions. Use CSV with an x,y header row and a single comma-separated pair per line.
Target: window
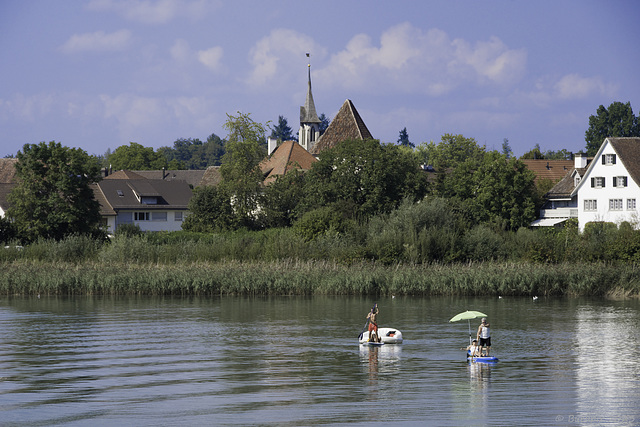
x,y
141,216
608,159
178,216
619,181
597,182
576,180
159,216
615,204
631,204
590,205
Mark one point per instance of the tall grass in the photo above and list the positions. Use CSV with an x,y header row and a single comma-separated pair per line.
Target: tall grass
x,y
291,277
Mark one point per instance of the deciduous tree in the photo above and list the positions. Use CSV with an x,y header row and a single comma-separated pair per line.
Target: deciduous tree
x,y
616,120
137,157
53,197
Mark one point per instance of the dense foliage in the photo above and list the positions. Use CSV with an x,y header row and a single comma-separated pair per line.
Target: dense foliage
x,y
617,120
53,198
192,153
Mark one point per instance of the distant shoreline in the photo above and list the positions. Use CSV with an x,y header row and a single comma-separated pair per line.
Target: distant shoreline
x,y
293,277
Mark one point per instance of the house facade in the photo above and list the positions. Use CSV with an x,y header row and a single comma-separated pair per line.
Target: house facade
x,y
560,204
151,204
610,188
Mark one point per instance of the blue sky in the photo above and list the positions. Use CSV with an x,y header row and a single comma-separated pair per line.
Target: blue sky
x,y
98,74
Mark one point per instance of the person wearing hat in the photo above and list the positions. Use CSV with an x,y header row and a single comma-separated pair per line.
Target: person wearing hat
x,y
484,336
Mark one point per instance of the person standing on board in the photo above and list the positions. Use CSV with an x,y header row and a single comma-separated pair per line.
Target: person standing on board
x,y
373,324
484,336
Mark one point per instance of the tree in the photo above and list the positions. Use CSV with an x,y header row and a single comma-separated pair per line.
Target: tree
x,y
53,198
403,139
616,121
506,148
504,191
137,157
534,153
210,211
363,177
241,174
280,199
324,123
282,132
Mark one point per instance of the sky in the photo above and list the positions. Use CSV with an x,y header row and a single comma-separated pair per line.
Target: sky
x,y
98,74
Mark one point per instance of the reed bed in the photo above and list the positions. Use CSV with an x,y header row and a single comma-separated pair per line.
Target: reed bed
x,y
299,277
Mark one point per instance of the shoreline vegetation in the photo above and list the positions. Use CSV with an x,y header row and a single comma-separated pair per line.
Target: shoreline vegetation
x,y
291,277
281,262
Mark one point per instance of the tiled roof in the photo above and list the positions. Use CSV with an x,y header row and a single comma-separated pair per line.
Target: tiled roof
x,y
192,176
628,151
553,170
211,176
8,170
566,185
121,194
124,174
287,156
347,124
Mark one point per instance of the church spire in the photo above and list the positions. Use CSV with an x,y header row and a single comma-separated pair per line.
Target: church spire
x,y
309,121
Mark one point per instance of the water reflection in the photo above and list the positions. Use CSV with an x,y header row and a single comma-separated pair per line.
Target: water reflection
x,y
296,361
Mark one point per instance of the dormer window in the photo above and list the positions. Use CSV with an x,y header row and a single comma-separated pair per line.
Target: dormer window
x,y
576,180
608,159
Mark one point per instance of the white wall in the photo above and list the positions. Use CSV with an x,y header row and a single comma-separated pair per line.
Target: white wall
x,y
602,195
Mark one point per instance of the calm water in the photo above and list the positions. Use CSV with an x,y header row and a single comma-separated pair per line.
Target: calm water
x,y
296,361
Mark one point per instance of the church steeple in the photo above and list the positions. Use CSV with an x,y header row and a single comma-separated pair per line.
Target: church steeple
x,y
309,122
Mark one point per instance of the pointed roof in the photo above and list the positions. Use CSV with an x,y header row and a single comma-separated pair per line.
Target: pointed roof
x,y
308,111
347,124
287,156
628,151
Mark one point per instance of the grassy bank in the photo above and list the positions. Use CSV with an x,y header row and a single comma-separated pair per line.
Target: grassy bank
x,y
288,277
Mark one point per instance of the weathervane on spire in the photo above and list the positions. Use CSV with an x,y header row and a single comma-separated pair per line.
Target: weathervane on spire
x,y
308,63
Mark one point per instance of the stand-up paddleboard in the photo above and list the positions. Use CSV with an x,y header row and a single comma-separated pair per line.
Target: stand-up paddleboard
x,y
481,359
372,343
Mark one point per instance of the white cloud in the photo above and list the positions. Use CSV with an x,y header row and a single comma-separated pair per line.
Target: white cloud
x,y
211,57
574,86
97,42
409,59
28,108
152,12
273,55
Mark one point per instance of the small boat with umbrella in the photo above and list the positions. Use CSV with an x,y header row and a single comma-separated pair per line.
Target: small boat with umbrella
x,y
468,315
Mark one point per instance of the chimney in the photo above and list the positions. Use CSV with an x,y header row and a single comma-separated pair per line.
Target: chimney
x,y
272,143
580,160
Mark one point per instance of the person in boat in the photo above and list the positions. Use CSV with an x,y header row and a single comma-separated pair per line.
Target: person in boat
x,y
484,337
472,349
373,324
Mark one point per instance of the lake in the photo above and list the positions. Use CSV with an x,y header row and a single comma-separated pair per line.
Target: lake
x,y
151,361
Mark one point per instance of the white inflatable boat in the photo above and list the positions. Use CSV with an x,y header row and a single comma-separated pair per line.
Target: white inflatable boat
x,y
387,336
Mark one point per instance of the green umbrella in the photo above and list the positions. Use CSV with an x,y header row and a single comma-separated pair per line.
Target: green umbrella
x,y
467,315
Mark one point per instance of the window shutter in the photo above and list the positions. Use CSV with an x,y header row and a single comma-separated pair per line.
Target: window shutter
x,y
625,181
615,181
593,182
604,161
613,159
603,182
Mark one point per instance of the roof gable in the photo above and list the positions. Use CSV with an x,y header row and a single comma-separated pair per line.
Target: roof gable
x,y
628,151
347,124
287,156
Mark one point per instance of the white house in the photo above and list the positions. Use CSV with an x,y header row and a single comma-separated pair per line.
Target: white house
x,y
610,188
560,204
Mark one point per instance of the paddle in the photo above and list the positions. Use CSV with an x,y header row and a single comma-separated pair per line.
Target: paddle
x,y
366,323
